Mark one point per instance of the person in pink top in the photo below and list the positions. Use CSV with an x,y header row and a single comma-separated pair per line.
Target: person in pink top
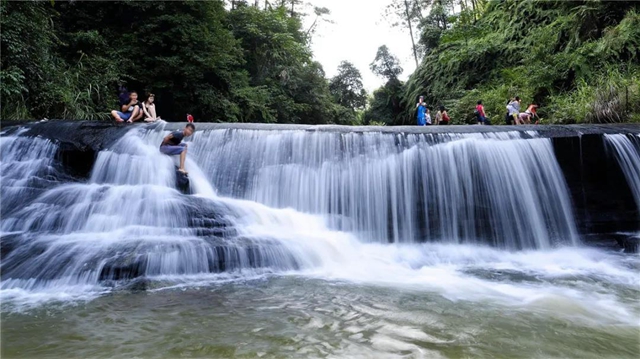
x,y
482,117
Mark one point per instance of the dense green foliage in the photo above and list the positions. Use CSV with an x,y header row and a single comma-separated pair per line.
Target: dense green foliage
x,y
220,63
250,61
578,59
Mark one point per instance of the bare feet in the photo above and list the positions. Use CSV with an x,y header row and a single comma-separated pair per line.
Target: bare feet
x,y
183,171
129,121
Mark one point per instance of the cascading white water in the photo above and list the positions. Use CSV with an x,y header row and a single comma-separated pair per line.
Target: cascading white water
x,y
128,220
26,169
498,188
627,151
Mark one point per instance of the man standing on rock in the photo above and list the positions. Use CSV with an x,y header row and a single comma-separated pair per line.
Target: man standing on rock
x,y
172,144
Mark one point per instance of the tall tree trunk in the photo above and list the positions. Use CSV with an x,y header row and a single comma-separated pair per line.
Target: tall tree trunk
x,y
413,42
444,15
473,7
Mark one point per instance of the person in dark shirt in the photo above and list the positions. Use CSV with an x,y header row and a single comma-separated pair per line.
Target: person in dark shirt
x,y
130,109
172,144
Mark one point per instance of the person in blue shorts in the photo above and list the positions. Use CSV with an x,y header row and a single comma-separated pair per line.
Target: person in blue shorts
x,y
130,109
172,144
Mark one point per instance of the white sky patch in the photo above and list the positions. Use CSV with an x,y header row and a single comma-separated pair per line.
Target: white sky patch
x,y
358,30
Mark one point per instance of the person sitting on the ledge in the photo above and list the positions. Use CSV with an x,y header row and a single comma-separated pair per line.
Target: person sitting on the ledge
x,y
172,144
130,110
149,109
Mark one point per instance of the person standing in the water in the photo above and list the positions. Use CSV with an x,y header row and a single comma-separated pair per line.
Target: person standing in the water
x,y
172,144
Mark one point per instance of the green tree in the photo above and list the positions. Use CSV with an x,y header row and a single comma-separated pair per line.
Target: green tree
x,y
238,63
346,87
385,106
27,67
408,14
277,59
385,64
181,51
321,15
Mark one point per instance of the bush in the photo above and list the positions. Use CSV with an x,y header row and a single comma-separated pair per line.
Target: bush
x,y
611,97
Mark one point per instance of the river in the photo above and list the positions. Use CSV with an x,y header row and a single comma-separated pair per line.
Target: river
x,y
296,244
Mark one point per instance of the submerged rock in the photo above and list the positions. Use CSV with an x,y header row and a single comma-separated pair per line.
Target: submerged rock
x,y
630,242
183,182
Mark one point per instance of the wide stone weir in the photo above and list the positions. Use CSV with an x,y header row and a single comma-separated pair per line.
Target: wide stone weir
x,y
602,199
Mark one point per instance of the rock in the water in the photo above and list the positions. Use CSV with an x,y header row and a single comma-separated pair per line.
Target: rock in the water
x,y
182,181
630,242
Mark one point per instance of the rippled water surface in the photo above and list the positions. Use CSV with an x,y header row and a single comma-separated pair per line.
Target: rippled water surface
x,y
505,306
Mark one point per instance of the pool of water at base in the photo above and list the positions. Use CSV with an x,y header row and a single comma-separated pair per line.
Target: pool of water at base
x,y
294,316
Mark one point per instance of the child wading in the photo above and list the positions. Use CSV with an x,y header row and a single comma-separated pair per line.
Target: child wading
x,y
172,145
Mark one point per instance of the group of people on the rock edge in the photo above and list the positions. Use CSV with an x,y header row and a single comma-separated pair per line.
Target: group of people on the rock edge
x,y
441,117
513,116
132,110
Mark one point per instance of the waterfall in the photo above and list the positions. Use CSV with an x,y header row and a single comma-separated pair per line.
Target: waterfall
x,y
128,221
627,152
505,189
27,167
267,201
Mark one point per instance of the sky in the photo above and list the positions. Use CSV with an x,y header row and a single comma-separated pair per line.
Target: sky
x,y
358,29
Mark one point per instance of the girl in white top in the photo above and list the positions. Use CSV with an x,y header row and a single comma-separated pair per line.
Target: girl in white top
x,y
150,109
